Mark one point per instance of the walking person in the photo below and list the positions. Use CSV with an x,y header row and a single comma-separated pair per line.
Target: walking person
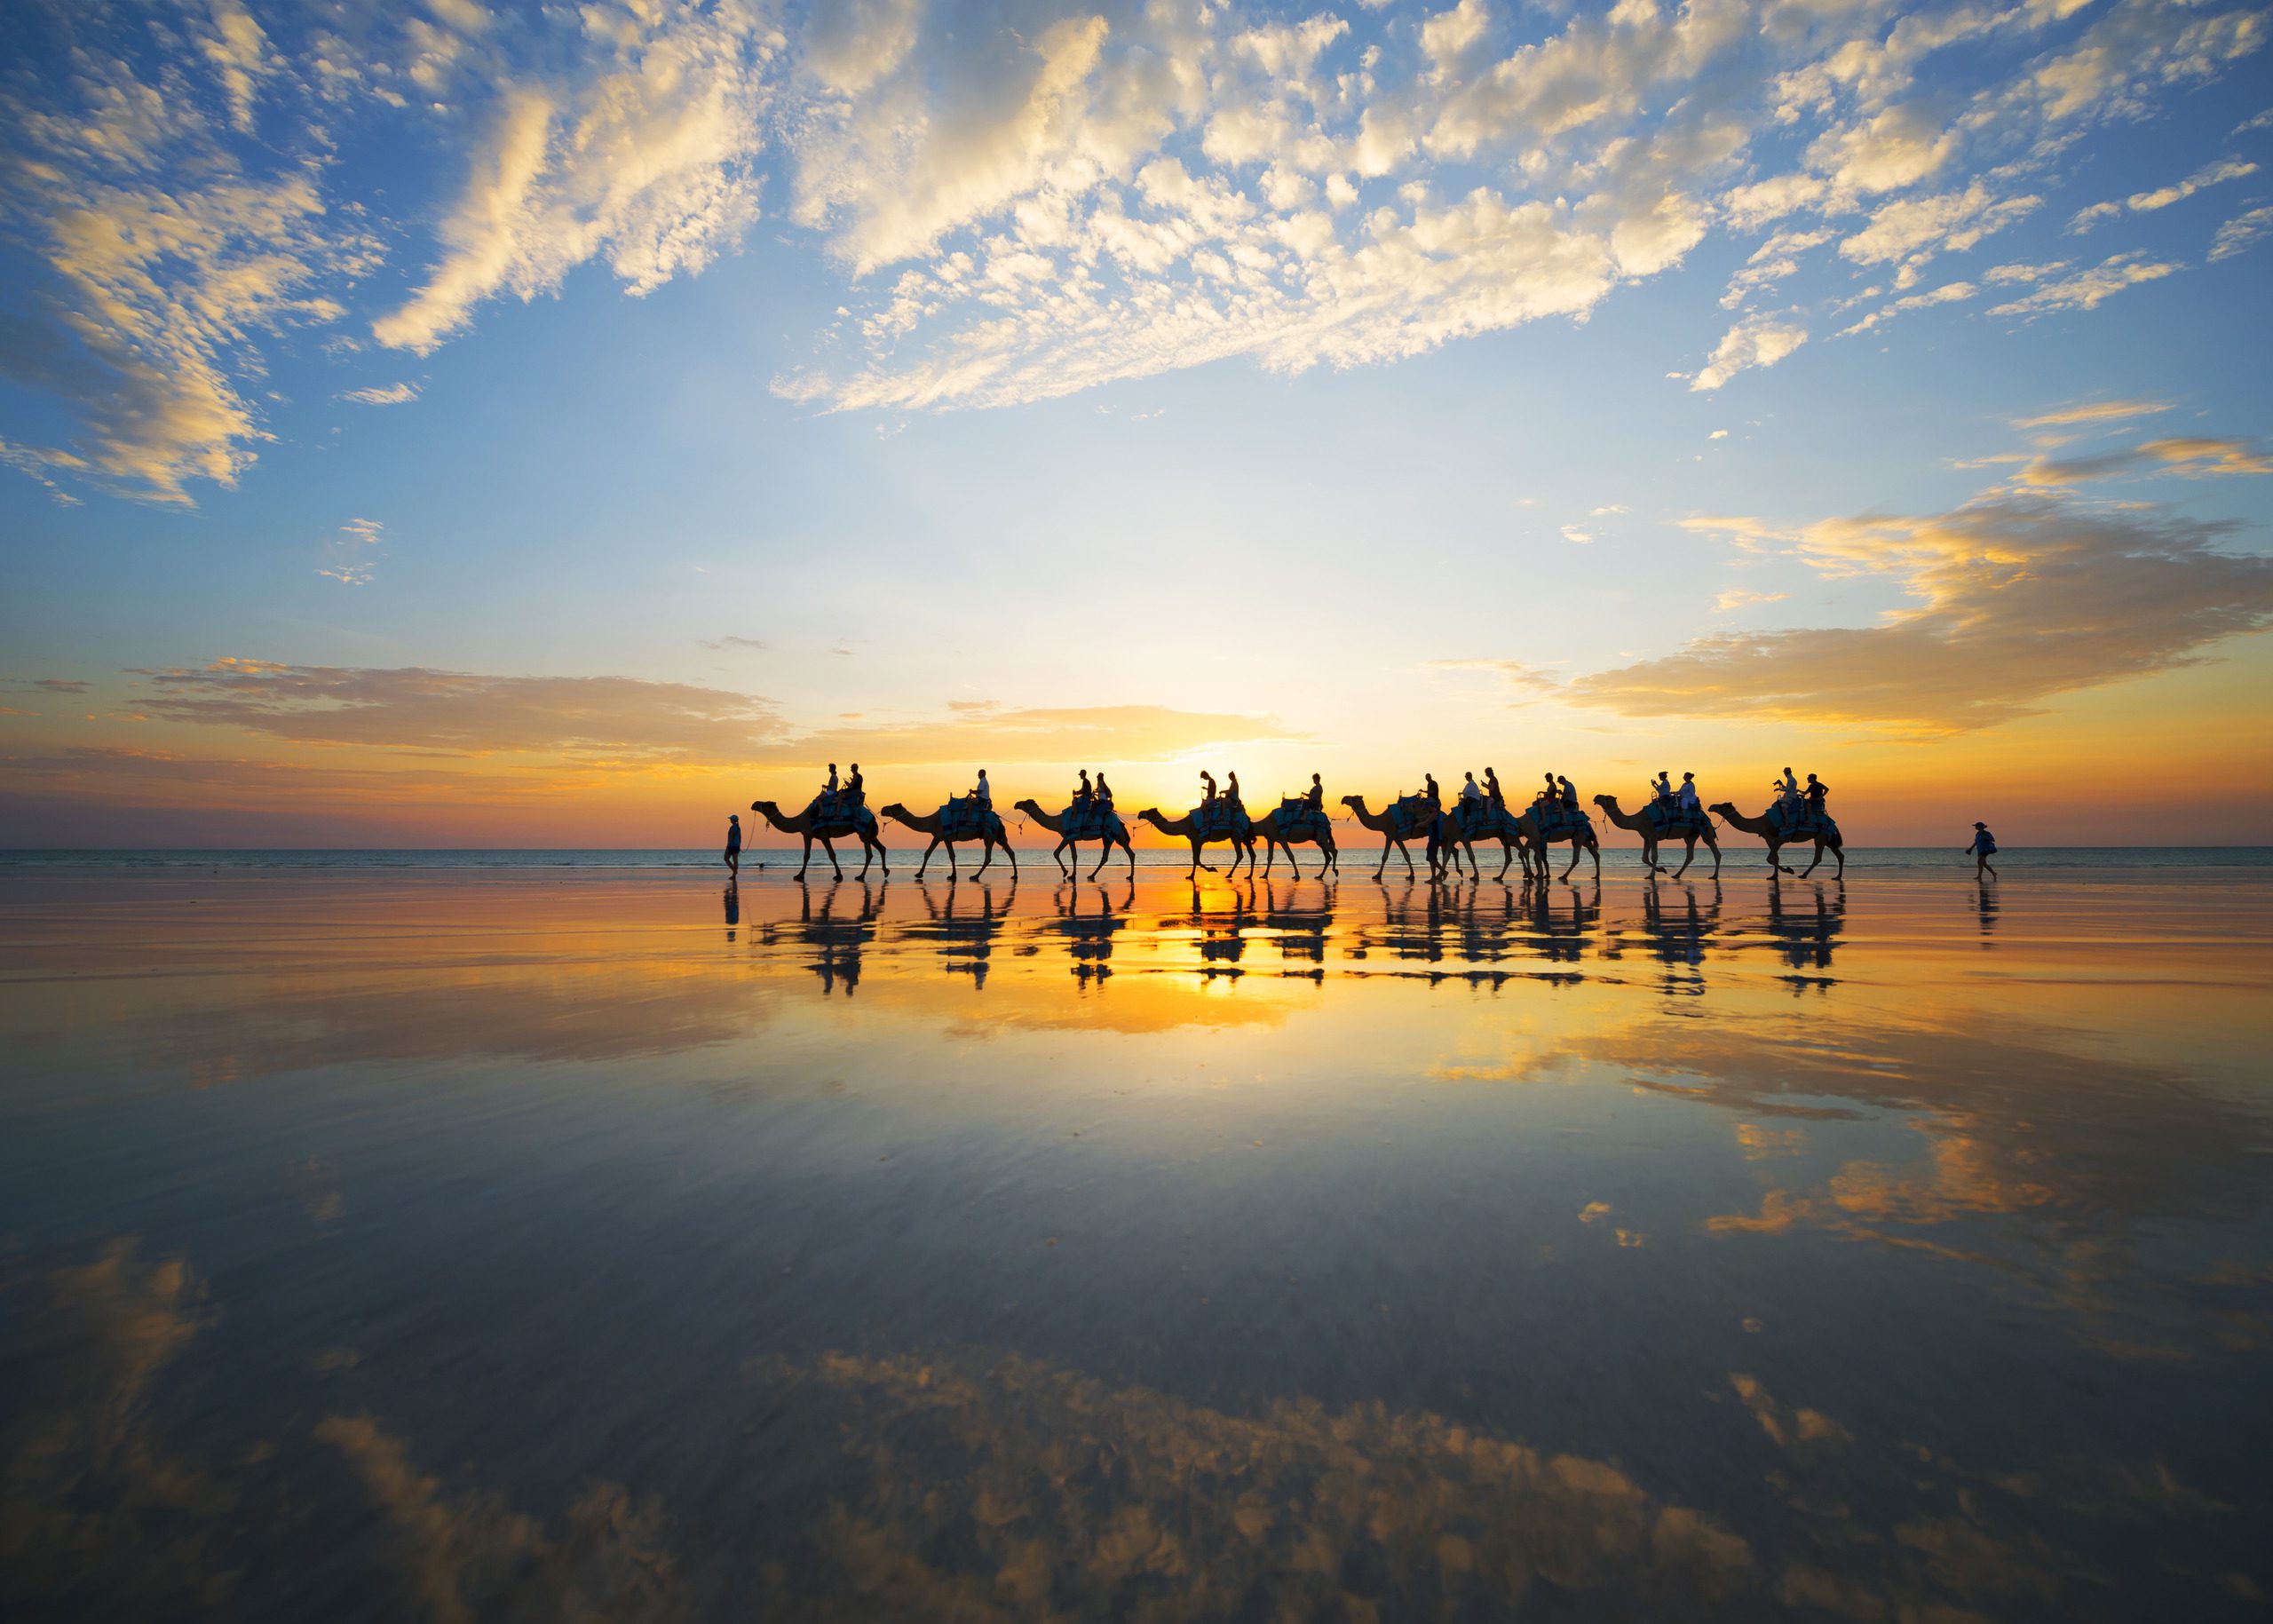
x,y
1984,848
734,844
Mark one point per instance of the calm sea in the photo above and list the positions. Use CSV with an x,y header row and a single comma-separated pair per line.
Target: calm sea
x,y
1357,855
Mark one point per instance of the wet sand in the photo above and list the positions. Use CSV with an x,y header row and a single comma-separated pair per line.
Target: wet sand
x,y
607,1245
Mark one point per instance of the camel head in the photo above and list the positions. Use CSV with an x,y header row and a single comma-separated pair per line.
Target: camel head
x,y
1608,803
1725,809
896,810
1031,807
1354,803
1152,815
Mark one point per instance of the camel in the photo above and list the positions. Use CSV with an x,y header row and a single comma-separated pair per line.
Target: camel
x,y
990,831
1385,824
1489,824
1646,825
1055,822
805,825
1581,838
1778,840
1184,829
1267,829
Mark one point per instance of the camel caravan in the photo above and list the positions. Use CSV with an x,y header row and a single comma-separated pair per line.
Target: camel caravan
x,y
1448,835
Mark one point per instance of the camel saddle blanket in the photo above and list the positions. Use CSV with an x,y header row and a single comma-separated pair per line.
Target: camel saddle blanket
x,y
1800,823
1672,820
1480,821
838,811
1411,814
1297,816
1565,822
1221,819
963,817
1090,820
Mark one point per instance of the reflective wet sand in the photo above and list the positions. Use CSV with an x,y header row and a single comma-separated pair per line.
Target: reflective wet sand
x,y
616,1247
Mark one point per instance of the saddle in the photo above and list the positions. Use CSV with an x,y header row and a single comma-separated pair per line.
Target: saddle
x,y
838,810
1801,822
1090,820
1558,821
1220,818
963,815
1673,818
1297,816
1411,814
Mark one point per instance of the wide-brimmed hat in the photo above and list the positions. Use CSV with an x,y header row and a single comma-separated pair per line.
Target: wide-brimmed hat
x,y
1980,826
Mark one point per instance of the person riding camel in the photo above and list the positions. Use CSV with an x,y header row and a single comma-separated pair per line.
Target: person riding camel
x,y
1547,797
1315,796
1082,792
1492,790
1470,792
856,789
982,795
1787,791
1207,787
1661,787
1232,792
1813,795
1429,792
1686,798
1105,791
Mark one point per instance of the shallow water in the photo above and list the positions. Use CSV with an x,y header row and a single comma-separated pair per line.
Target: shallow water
x,y
490,1242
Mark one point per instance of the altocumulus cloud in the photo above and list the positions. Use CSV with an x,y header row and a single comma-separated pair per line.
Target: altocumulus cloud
x,y
1023,203
2016,599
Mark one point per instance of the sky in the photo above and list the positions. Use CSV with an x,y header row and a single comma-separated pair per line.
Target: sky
x,y
445,423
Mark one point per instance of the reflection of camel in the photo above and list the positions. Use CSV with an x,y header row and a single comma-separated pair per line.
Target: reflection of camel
x,y
1385,824
1311,829
1088,937
969,941
989,831
1806,942
840,940
1678,944
1581,837
1186,828
1644,824
1778,840
1055,822
804,826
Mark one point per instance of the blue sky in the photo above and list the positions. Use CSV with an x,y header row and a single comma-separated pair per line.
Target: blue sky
x,y
1048,382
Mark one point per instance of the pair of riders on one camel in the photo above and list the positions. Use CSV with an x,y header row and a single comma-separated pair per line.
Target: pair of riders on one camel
x,y
1101,795
848,798
1794,802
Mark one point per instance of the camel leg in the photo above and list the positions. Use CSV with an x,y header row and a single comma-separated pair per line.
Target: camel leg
x,y
1839,853
1688,860
830,846
1714,846
1811,868
1059,860
808,857
1012,857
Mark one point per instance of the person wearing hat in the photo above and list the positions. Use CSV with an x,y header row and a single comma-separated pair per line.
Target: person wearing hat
x,y
734,844
1685,798
1984,848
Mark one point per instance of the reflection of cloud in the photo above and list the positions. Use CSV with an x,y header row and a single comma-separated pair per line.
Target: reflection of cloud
x,y
475,1557
1077,1499
2018,598
93,1505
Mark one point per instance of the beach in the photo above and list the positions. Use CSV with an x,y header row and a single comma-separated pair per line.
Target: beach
x,y
595,1241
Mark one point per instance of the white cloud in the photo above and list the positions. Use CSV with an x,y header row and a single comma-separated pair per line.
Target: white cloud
x,y
2237,234
2163,197
1949,293
1914,230
389,394
1761,342
351,552
1571,532
644,160
2086,290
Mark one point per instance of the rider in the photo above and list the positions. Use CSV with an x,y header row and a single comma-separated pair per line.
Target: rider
x,y
1813,795
1686,799
1570,800
1661,787
1232,791
982,794
1315,796
856,791
1207,787
1429,792
1787,791
1492,790
1084,792
1469,792
1105,791
1547,797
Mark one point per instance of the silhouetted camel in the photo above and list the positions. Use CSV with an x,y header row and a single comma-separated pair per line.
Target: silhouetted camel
x,y
1470,821
1305,831
1778,839
804,826
990,830
1644,823
1116,835
1581,837
1384,824
1184,829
